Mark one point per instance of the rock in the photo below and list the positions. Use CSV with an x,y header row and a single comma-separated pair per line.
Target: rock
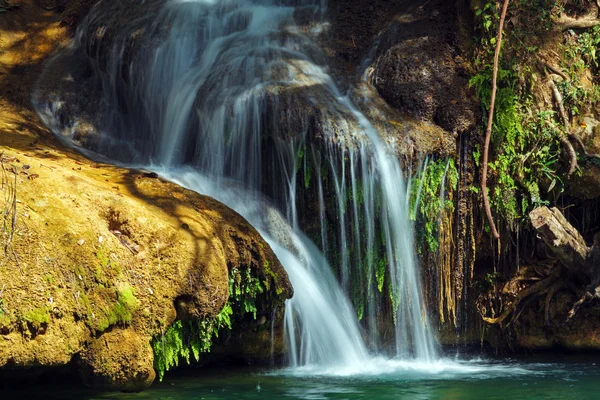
x,y
419,71
61,300
120,359
586,185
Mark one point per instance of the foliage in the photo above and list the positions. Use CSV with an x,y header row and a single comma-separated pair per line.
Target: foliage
x,y
439,177
244,290
184,339
580,56
526,148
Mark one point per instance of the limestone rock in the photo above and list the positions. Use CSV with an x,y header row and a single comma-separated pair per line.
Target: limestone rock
x,y
120,359
420,71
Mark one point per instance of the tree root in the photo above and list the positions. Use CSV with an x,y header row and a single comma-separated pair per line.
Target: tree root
x,y
564,23
572,155
549,295
535,289
556,70
565,118
573,137
587,296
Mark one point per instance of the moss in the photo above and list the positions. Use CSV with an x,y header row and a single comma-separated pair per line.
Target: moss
x,y
380,268
106,270
121,312
5,323
49,279
37,318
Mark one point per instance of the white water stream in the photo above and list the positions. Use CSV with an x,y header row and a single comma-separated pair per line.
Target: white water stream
x,y
197,107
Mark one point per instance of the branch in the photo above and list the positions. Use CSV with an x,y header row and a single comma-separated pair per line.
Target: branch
x,y
488,131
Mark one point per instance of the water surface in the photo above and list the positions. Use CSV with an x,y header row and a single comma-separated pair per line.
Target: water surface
x,y
505,379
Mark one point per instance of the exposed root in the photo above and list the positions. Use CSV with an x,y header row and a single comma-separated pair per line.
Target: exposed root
x,y
565,23
572,155
565,118
535,289
554,69
573,137
587,296
549,295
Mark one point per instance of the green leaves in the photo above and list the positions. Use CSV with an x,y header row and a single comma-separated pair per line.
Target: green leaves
x,y
427,213
244,290
487,15
186,339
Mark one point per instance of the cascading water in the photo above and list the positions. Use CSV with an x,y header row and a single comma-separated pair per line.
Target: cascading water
x,y
203,101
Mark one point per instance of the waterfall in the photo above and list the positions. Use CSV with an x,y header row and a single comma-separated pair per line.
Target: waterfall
x,y
232,98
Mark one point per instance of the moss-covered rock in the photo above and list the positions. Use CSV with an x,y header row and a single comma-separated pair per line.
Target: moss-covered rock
x,y
97,260
120,359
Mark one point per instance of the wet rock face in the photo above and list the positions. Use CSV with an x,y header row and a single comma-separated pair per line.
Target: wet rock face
x,y
420,72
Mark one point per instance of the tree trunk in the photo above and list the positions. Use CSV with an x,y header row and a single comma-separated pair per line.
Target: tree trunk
x,y
561,237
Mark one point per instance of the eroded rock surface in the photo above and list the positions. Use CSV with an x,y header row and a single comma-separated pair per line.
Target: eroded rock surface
x,y
94,257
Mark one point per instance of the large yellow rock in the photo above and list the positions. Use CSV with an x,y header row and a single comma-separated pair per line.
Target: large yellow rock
x,y
93,258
